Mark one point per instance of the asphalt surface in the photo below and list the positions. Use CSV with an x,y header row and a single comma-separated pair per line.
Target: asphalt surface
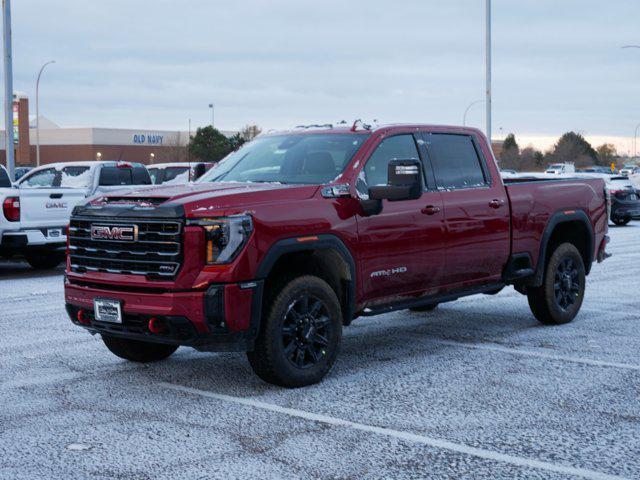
x,y
475,389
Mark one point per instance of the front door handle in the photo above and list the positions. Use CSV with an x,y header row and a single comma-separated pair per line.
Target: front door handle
x,y
496,203
430,210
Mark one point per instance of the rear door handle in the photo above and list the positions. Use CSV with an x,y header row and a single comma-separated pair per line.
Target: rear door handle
x,y
56,195
496,203
430,210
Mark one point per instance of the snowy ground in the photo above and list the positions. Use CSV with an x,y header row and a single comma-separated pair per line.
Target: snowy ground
x,y
475,389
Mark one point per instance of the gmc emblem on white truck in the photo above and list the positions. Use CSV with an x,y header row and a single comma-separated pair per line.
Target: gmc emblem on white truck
x,y
128,233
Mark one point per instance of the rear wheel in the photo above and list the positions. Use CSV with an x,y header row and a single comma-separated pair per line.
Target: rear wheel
x,y
138,351
299,335
44,260
559,298
424,308
621,222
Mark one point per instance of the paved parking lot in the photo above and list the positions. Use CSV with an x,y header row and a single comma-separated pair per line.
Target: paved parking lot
x,y
475,389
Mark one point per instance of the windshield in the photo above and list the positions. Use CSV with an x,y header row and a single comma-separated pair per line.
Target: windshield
x,y
305,159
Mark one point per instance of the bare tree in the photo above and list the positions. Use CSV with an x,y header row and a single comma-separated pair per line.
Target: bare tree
x,y
249,132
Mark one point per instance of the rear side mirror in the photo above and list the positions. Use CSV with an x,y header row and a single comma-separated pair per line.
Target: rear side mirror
x,y
404,181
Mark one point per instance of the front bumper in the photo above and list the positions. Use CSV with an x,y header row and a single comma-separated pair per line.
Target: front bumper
x,y
223,317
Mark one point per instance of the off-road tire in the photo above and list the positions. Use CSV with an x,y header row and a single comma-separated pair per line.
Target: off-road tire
x,y
138,351
424,308
44,260
556,302
270,359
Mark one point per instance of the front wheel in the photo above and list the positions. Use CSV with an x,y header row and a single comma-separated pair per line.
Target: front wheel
x,y
138,351
559,298
299,335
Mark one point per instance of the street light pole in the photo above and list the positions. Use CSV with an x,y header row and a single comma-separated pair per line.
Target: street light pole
x,y
464,117
635,142
488,68
8,88
212,107
38,112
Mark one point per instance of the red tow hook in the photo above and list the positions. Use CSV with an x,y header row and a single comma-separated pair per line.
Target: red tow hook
x,y
156,325
82,318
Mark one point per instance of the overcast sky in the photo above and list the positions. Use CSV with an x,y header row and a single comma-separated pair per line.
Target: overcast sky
x,y
558,64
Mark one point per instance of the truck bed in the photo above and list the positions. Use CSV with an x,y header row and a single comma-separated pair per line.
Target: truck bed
x,y
533,201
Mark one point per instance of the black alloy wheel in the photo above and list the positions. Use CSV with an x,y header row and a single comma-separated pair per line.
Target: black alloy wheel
x,y
306,331
566,285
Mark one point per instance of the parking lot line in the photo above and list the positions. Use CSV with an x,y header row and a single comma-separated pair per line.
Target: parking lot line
x,y
529,353
399,434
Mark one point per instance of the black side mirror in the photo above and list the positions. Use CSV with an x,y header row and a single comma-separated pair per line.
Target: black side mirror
x,y
404,182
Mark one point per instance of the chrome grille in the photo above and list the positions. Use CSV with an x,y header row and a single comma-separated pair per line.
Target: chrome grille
x,y
156,254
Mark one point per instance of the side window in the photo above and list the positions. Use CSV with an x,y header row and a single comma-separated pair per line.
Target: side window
x,y
4,178
401,147
455,161
153,173
42,179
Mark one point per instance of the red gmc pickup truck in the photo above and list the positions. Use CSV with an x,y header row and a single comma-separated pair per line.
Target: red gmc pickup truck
x,y
298,233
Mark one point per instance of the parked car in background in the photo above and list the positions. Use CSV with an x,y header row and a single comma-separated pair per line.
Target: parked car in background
x,y
39,208
628,169
177,173
597,169
625,200
561,168
21,172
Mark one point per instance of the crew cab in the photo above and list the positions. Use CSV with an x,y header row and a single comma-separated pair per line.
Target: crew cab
x,y
41,205
298,233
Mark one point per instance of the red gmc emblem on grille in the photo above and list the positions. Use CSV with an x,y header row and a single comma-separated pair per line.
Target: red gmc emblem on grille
x,y
128,233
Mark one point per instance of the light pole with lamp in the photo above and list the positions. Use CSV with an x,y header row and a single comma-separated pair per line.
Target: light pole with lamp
x,y
38,112
464,117
212,107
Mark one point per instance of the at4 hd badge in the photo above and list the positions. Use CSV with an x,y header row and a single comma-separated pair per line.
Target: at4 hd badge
x,y
388,272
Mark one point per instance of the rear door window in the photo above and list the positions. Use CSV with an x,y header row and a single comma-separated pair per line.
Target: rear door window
x,y
75,177
176,175
455,161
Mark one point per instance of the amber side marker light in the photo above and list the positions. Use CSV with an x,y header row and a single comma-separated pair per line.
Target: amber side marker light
x,y
307,239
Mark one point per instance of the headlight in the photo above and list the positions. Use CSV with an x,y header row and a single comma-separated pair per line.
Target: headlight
x,y
225,237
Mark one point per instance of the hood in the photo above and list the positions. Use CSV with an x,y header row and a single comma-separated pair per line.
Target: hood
x,y
199,199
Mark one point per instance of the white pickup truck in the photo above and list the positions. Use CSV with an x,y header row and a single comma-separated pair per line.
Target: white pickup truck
x,y
36,213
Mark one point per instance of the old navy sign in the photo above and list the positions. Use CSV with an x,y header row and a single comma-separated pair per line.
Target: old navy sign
x,y
142,139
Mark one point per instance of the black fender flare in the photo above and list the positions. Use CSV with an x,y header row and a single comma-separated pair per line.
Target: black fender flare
x,y
308,243
558,218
